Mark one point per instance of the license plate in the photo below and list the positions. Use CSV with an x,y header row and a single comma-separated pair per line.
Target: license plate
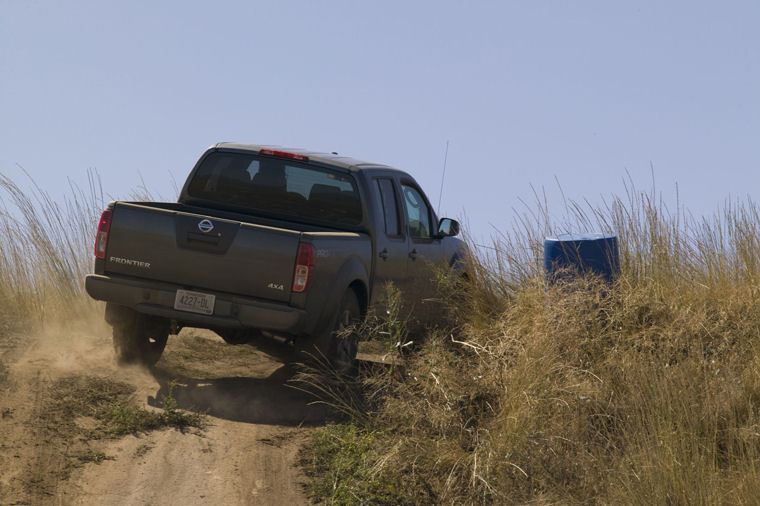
x,y
194,302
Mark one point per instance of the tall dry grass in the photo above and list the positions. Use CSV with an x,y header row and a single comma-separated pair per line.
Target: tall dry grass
x,y
46,250
643,392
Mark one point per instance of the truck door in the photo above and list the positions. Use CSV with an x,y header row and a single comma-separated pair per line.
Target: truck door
x,y
391,242
425,250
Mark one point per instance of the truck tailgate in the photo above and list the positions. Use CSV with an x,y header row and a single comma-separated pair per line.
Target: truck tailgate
x,y
221,255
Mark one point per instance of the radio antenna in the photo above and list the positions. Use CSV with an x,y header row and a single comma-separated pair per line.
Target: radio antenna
x,y
440,194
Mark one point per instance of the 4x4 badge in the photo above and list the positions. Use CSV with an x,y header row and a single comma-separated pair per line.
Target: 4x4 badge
x,y
205,226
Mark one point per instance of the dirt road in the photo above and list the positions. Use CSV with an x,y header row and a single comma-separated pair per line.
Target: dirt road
x,y
50,453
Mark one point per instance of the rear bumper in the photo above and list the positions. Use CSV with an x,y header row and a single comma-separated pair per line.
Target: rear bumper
x,y
230,311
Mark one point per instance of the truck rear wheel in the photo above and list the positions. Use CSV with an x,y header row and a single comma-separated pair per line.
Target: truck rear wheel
x,y
139,339
338,344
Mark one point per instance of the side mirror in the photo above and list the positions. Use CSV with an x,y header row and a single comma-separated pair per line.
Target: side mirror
x,y
448,227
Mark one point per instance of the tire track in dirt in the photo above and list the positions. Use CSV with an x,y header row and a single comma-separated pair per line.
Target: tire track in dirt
x,y
25,478
35,455
33,460
247,454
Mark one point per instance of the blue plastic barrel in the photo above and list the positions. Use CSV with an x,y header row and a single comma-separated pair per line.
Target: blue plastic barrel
x,y
582,253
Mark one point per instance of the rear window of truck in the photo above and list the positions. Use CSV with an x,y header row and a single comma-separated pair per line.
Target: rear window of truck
x,y
277,186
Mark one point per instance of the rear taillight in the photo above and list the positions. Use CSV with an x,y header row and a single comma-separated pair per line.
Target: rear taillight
x,y
101,239
304,263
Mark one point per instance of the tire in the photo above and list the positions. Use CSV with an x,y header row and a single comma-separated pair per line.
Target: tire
x,y
340,349
139,339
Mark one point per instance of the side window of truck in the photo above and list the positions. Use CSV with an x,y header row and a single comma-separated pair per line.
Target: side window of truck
x,y
390,209
417,213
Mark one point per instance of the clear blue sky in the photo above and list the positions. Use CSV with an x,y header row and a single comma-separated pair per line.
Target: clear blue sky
x,y
524,91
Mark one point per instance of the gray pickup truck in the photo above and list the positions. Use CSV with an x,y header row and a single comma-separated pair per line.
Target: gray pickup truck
x,y
266,240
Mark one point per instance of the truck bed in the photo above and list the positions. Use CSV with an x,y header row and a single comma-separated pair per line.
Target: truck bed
x,y
165,244
244,262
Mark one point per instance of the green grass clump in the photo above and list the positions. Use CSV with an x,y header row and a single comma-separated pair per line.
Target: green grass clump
x,y
111,404
340,459
94,456
120,416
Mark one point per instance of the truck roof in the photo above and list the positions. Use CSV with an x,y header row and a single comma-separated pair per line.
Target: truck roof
x,y
334,159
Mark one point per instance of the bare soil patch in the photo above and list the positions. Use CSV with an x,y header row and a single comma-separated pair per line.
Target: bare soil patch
x,y
60,445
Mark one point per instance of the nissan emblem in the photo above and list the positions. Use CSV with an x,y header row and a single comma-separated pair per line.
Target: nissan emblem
x,y
205,226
